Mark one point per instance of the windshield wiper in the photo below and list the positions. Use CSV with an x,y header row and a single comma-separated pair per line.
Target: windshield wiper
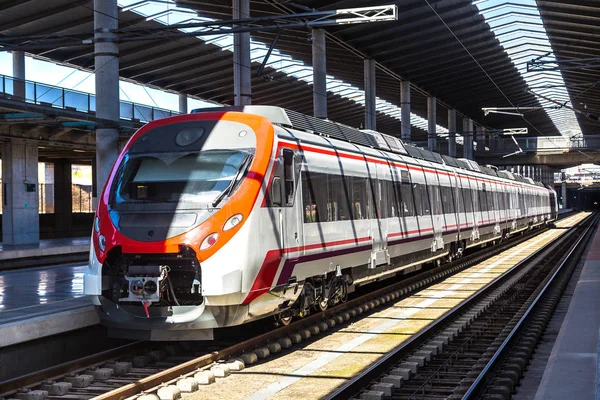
x,y
242,171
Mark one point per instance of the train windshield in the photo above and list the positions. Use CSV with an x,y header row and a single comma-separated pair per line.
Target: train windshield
x,y
190,179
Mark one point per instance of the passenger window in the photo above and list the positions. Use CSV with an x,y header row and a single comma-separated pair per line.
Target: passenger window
x,y
408,207
338,198
275,192
359,197
288,174
435,198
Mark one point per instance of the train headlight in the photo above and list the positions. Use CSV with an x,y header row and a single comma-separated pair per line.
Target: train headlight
x,y
136,287
101,242
209,241
233,222
187,136
97,224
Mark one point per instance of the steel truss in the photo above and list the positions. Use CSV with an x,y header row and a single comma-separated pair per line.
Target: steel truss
x,y
197,26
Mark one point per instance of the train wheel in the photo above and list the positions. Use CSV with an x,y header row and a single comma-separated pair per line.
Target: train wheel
x,y
321,305
280,320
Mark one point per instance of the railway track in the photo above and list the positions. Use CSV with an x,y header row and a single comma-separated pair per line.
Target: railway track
x,y
480,349
144,367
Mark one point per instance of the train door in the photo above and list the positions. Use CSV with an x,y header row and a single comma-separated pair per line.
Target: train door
x,y
471,187
513,206
494,200
437,211
378,217
553,207
421,201
446,187
458,203
291,217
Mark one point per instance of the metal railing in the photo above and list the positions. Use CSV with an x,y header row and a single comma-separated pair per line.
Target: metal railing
x,y
546,144
68,99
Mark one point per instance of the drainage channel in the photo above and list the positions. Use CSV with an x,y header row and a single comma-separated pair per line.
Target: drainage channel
x,y
461,353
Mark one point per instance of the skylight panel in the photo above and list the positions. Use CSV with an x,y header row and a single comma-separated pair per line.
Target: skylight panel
x,y
167,13
519,28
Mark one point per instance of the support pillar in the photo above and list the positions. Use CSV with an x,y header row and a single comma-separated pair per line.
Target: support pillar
x,y
452,132
468,138
370,94
319,74
20,215
565,201
183,103
106,61
480,138
431,124
19,74
242,70
405,110
63,190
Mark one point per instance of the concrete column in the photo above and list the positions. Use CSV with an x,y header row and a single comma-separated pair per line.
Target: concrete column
x,y
480,137
431,124
106,62
64,194
468,138
183,103
405,110
19,74
452,132
370,94
20,216
319,74
565,201
242,69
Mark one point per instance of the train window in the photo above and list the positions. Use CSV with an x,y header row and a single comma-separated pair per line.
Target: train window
x,y
467,199
408,206
288,174
435,199
420,199
339,197
359,198
447,200
308,204
483,204
275,192
390,208
490,199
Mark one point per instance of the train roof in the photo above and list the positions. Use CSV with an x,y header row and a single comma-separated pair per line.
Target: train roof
x,y
323,127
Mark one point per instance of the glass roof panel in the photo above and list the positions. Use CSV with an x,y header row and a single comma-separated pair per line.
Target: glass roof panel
x,y
518,26
167,13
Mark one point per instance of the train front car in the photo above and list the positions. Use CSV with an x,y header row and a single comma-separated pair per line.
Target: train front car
x,y
174,253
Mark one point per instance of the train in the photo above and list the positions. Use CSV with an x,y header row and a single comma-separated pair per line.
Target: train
x,y
230,215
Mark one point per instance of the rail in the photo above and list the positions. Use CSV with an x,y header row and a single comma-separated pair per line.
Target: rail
x,y
478,387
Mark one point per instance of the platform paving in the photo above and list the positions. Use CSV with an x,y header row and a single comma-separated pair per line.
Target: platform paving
x,y
572,369
38,302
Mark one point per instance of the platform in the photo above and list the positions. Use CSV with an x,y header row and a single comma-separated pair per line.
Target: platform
x,y
50,251
572,371
38,302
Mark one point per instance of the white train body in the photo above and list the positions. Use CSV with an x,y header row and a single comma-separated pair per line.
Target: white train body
x,y
327,215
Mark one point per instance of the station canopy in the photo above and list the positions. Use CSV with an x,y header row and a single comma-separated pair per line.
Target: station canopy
x,y
468,54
